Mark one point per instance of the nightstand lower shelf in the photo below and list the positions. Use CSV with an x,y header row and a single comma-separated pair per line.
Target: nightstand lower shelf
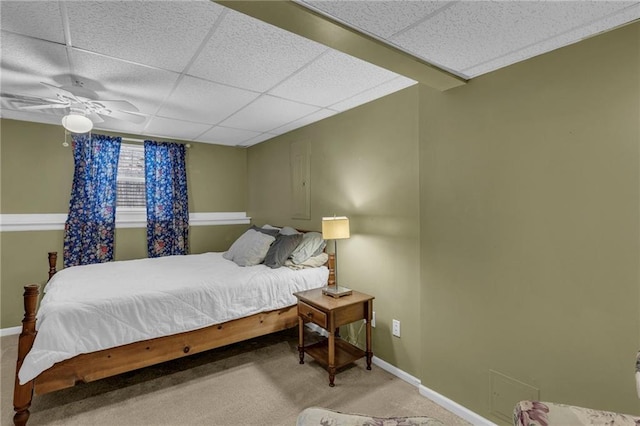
x,y
345,352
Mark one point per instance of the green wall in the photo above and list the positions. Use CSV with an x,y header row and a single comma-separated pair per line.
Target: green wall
x,y
35,177
364,164
511,244
529,228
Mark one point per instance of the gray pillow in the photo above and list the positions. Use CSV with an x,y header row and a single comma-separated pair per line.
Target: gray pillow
x,y
250,249
281,249
269,231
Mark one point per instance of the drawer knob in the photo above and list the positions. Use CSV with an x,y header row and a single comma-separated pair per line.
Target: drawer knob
x,y
309,314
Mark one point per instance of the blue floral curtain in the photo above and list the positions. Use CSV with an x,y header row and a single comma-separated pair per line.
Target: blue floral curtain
x,y
167,201
90,226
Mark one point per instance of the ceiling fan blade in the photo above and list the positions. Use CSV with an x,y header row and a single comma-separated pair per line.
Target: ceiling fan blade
x,y
61,92
48,106
95,118
121,105
28,99
127,116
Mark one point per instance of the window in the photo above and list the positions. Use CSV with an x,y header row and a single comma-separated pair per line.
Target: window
x,y
130,180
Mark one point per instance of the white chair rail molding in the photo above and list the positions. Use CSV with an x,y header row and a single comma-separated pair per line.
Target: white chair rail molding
x,y
124,219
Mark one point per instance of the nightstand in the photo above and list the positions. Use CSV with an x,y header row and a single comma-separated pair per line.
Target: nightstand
x,y
330,313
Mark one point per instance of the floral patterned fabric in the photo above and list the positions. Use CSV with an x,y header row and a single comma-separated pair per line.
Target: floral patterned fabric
x,y
167,201
638,374
535,413
314,416
90,226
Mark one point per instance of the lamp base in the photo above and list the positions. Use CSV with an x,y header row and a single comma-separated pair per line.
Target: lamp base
x,y
336,291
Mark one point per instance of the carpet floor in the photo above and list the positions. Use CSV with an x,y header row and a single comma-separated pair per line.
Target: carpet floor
x,y
257,382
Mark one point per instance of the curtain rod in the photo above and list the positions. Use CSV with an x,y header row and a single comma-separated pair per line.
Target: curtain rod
x,y
66,144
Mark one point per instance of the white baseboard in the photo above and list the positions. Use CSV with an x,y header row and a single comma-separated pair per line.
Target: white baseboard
x,y
441,400
10,331
457,409
402,375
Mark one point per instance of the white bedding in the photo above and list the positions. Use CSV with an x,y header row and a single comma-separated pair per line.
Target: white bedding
x,y
94,307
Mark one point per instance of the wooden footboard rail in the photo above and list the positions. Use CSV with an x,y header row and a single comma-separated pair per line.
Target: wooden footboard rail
x,y
109,362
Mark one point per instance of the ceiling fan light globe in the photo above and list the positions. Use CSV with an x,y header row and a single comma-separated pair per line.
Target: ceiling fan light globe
x,y
76,123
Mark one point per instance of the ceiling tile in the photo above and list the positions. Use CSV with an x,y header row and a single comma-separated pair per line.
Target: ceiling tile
x,y
380,18
164,34
40,19
594,27
261,138
112,125
227,136
26,62
332,78
113,79
47,116
248,53
383,89
311,118
205,102
470,33
174,129
266,113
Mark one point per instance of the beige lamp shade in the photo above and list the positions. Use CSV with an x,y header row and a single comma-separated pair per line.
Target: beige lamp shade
x,y
335,228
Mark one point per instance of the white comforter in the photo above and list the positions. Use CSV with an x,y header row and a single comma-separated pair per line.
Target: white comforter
x,y
94,307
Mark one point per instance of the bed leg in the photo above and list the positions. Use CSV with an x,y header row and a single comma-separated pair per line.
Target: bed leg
x,y
23,394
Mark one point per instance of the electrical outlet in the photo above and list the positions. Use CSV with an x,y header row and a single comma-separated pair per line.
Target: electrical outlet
x,y
373,319
396,328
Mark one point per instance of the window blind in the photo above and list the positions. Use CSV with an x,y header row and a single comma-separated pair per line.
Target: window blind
x,y
130,180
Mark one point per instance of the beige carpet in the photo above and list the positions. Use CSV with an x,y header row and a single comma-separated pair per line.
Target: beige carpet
x,y
258,382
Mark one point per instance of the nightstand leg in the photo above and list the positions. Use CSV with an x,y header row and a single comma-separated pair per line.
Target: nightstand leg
x,y
301,339
332,359
369,353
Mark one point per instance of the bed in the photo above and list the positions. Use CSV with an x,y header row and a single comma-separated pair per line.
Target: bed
x,y
101,320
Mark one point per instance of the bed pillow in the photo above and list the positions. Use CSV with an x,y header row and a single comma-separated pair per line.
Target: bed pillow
x,y
287,230
281,249
311,245
250,249
269,231
312,262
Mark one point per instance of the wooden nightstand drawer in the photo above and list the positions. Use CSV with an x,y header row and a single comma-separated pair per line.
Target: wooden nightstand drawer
x,y
309,313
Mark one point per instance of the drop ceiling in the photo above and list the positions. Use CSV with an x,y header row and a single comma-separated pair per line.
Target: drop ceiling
x,y
199,71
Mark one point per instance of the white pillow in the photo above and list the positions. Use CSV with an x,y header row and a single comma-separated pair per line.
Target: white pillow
x,y
311,245
312,262
267,226
250,248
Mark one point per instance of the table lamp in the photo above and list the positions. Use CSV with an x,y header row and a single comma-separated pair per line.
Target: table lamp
x,y
335,228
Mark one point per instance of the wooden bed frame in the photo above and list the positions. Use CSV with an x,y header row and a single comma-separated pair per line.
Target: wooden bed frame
x,y
92,366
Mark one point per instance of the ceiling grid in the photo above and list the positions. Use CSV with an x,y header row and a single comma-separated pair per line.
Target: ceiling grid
x,y
200,71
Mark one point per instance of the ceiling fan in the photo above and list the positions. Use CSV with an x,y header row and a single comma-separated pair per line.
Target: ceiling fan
x,y
84,107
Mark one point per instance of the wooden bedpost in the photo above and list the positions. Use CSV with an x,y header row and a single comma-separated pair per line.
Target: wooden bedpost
x,y
331,263
22,394
53,258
